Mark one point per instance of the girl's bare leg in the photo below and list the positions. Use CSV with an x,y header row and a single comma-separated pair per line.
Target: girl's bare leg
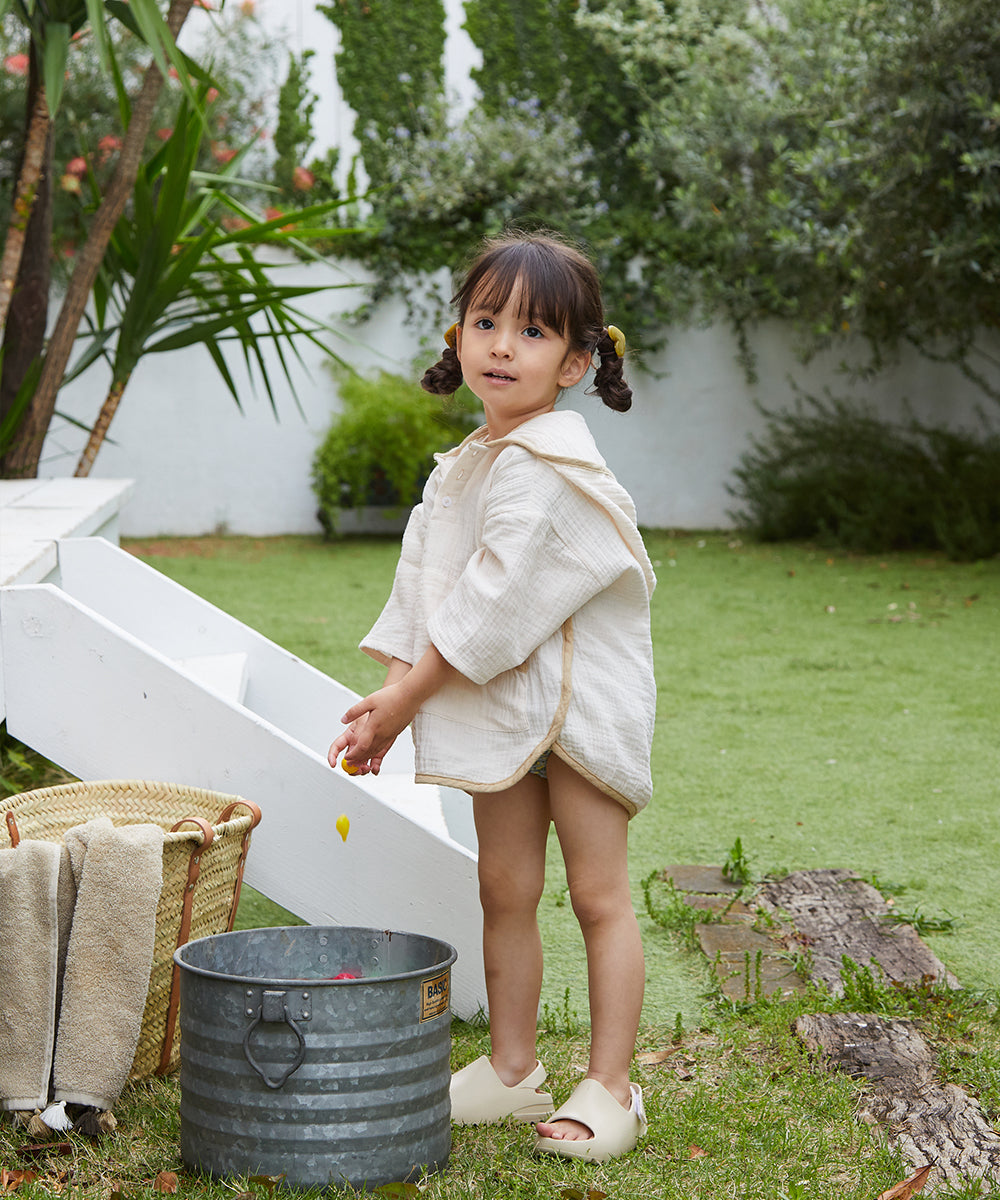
x,y
593,834
512,827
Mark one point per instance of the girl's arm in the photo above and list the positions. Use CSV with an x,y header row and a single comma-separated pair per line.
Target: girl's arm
x,y
373,724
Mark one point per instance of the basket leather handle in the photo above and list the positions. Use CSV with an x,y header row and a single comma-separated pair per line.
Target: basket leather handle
x,y
194,868
226,813
15,836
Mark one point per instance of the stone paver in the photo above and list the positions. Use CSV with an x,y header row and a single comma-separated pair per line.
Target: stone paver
x,y
747,963
694,878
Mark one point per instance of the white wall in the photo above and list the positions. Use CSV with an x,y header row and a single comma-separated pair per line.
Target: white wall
x,y
200,465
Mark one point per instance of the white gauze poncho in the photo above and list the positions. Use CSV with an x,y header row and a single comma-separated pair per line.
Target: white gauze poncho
x,y
523,565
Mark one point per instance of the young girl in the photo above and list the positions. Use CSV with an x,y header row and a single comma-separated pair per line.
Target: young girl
x,y
517,643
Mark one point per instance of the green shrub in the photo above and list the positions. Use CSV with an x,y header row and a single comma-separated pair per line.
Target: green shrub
x,y
380,448
835,472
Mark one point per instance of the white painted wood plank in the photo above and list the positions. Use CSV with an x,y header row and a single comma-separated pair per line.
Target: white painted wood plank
x,y
15,489
94,698
281,688
42,510
222,673
93,497
25,559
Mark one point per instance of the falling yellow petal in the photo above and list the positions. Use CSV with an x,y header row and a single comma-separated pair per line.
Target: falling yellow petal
x,y
343,826
350,768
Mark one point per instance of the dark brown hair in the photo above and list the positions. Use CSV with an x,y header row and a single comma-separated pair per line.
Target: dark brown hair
x,y
558,286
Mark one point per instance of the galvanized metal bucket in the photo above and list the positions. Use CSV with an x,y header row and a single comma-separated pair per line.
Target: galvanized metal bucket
x,y
287,1070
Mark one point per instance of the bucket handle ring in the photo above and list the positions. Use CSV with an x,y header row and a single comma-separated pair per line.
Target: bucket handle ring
x,y
269,1012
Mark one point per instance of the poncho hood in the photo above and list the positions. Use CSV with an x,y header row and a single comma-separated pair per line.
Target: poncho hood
x,y
563,439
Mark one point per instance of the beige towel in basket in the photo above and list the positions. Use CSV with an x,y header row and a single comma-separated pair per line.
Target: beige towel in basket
x,y
36,908
119,877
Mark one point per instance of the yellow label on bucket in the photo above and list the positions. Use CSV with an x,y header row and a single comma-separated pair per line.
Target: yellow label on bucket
x,y
435,996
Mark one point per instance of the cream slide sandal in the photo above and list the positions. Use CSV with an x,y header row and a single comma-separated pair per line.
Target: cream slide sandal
x,y
479,1095
615,1130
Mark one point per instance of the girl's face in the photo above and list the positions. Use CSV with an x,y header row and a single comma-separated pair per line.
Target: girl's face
x,y
515,364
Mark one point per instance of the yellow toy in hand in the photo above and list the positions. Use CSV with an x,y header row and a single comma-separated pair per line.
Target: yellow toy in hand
x,y
350,768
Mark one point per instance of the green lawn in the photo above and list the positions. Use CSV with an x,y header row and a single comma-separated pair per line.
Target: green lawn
x,y
828,709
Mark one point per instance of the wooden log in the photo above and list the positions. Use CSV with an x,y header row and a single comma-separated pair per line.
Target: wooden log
x,y
837,915
888,1053
931,1123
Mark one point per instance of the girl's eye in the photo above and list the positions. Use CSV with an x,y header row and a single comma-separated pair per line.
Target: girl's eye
x,y
533,331
484,323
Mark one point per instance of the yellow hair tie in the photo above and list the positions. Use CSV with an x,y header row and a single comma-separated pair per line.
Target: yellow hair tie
x,y
451,336
618,338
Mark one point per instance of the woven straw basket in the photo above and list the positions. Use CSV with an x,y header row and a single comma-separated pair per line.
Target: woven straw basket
x,y
207,835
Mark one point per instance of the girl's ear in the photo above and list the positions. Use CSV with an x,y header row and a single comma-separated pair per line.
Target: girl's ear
x,y
458,342
575,366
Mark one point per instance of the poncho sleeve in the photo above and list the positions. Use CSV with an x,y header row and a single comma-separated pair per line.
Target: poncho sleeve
x,y
393,634
545,550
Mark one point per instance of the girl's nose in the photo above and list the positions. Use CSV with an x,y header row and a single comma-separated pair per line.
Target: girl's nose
x,y
502,343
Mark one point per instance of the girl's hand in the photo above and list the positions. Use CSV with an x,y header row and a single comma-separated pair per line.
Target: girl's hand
x,y
373,725
351,745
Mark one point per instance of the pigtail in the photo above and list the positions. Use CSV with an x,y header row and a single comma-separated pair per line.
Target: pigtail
x,y
445,377
609,378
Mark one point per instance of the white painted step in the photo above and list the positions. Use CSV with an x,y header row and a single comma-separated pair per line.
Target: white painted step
x,y
118,672
222,673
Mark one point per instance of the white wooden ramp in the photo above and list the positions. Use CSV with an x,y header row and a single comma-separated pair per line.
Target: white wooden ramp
x,y
114,671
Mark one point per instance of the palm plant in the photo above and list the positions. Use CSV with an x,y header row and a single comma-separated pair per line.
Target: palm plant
x,y
180,269
51,24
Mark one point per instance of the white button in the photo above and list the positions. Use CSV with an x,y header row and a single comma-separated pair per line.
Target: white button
x,y
446,502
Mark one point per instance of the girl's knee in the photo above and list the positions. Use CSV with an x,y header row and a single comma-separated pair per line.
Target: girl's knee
x,y
503,889
595,907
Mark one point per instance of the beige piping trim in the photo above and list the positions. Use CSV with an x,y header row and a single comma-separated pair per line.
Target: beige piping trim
x,y
565,695
630,806
548,742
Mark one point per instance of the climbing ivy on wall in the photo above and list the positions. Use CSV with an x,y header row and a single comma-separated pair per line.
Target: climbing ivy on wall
x,y
547,143
537,51
390,67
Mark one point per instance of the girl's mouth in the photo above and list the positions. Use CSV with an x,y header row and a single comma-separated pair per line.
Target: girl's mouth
x,y
502,375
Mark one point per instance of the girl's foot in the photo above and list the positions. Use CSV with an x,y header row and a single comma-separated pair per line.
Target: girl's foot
x,y
564,1128
570,1131
593,1124
479,1095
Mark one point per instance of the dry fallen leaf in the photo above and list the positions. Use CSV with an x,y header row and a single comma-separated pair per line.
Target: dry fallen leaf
x,y
576,1194
11,1180
166,1181
267,1181
652,1058
908,1187
697,1152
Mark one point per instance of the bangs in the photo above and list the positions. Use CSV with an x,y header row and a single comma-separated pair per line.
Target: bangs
x,y
543,276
